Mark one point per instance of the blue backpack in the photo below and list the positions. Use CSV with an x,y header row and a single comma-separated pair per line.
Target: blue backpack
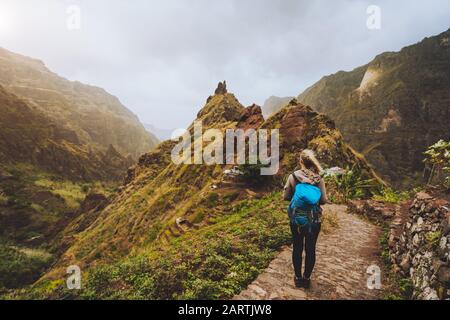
x,y
305,203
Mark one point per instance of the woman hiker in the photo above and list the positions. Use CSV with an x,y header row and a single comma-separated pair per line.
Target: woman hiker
x,y
306,190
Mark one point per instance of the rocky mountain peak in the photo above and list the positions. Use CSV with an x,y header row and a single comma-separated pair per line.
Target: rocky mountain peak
x,y
223,107
221,88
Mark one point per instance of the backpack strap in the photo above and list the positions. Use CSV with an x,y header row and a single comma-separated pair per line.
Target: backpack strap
x,y
295,179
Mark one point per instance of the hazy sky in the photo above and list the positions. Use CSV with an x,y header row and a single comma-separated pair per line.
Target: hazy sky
x,y
163,58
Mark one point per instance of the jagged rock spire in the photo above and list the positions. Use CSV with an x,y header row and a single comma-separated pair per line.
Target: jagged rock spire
x,y
221,88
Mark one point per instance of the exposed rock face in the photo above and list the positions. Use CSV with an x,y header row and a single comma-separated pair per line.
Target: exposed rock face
x,y
422,251
393,108
93,201
251,118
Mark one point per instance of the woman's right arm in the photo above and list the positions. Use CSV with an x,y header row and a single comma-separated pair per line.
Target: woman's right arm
x,y
288,191
323,190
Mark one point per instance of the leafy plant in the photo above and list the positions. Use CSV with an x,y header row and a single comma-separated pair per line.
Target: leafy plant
x,y
438,157
349,185
433,237
387,194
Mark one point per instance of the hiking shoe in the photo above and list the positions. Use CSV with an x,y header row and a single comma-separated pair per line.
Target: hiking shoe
x,y
298,282
306,283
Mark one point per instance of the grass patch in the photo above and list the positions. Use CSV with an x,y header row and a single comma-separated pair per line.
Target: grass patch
x,y
389,195
330,222
21,266
216,261
72,193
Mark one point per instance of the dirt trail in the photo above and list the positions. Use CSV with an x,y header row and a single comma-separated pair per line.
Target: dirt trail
x,y
340,273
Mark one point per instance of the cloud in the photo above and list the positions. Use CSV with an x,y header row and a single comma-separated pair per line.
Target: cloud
x,y
163,58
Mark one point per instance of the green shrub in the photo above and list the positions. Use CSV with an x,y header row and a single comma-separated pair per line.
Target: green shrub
x,y
387,194
19,267
211,200
433,237
438,157
406,287
199,216
349,186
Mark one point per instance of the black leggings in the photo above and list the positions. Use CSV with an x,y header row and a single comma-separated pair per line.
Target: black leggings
x,y
302,237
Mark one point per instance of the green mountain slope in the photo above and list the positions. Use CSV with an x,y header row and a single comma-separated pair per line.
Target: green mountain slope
x,y
394,107
27,136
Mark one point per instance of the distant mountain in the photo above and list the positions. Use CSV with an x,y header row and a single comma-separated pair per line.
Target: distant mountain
x,y
185,231
28,136
392,108
45,174
161,134
97,118
273,104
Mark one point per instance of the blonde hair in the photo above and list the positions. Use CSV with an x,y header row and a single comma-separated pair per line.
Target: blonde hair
x,y
308,161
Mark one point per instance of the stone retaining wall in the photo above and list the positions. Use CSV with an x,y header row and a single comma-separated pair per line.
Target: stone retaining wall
x,y
419,241
421,250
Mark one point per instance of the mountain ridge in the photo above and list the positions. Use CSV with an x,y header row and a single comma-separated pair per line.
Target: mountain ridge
x,y
392,108
88,110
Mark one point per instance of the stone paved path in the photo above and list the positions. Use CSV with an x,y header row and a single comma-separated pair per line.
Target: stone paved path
x,y
340,273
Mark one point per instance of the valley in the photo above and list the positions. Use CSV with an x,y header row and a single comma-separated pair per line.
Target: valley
x,y
52,160
83,183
